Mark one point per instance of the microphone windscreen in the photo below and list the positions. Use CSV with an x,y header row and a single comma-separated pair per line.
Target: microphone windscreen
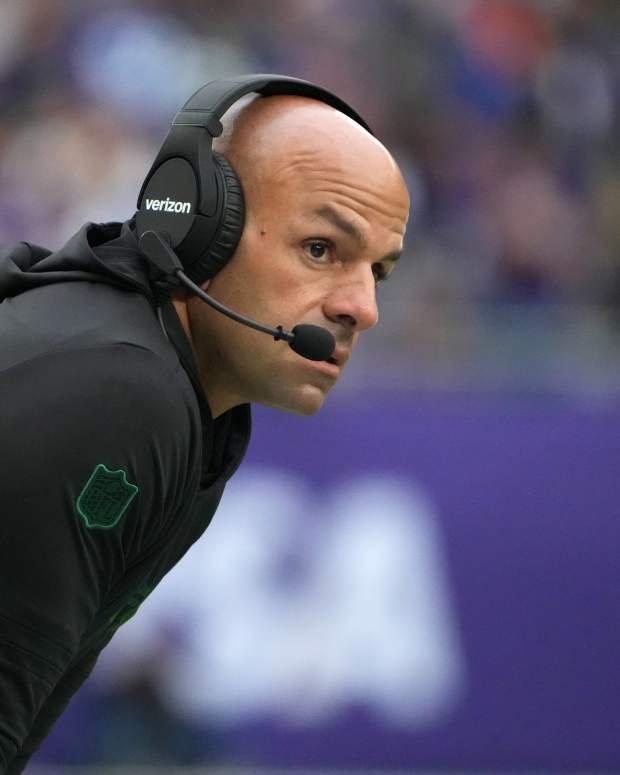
x,y
313,342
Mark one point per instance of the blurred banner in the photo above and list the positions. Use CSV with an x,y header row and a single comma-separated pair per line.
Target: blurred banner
x,y
415,580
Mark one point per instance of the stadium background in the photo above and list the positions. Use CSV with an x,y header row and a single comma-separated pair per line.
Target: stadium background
x,y
424,577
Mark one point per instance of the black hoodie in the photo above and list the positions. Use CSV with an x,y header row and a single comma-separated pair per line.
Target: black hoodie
x,y
111,465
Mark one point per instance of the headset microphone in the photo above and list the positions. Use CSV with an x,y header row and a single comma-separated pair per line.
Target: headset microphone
x,y
312,342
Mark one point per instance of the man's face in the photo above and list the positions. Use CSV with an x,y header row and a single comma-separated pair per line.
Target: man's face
x,y
322,228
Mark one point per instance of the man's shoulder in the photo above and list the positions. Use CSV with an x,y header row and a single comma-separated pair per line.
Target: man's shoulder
x,y
68,314
110,383
63,413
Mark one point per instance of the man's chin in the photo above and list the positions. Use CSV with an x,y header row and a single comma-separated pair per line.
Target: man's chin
x,y
305,401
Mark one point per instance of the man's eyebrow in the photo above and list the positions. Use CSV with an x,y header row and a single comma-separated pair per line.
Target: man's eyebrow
x,y
328,213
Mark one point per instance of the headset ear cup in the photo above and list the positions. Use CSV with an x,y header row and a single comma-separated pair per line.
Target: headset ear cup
x,y
231,223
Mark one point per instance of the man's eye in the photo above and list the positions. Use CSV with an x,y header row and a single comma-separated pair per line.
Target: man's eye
x,y
318,249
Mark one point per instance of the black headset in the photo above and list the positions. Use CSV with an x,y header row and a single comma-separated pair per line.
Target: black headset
x,y
191,194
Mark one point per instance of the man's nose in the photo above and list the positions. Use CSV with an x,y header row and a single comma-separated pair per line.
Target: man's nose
x,y
353,301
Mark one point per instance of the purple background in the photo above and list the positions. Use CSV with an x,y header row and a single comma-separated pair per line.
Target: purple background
x,y
527,494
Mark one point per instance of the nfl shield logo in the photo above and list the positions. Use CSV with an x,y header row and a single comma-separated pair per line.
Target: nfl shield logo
x,y
105,497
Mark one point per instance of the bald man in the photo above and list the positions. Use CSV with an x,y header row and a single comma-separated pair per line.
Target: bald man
x,y
121,427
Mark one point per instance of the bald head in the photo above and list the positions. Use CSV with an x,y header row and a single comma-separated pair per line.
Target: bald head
x,y
266,138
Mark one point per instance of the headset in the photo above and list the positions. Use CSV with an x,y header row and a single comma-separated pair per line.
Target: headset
x,y
191,208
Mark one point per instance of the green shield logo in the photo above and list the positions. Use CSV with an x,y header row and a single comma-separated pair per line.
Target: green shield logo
x,y
105,497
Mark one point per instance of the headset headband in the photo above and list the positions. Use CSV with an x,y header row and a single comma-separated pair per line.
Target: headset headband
x,y
208,104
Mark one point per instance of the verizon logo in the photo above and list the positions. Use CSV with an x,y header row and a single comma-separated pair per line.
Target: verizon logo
x,y
168,205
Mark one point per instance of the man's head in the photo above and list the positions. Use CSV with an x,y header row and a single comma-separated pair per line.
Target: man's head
x,y
326,212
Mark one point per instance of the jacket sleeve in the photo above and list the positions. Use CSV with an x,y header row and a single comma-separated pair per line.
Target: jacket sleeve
x,y
93,464
52,708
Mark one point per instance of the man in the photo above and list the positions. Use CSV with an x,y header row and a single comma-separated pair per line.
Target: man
x,y
119,428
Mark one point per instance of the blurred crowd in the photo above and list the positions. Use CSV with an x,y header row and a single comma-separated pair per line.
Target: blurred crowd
x,y
502,114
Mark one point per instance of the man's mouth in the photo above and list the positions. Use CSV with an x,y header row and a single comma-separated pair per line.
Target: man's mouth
x,y
339,357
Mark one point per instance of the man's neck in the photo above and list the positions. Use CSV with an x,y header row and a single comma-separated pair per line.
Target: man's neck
x,y
219,401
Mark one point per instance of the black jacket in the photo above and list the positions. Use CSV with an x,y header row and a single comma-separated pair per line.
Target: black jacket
x,y
111,465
